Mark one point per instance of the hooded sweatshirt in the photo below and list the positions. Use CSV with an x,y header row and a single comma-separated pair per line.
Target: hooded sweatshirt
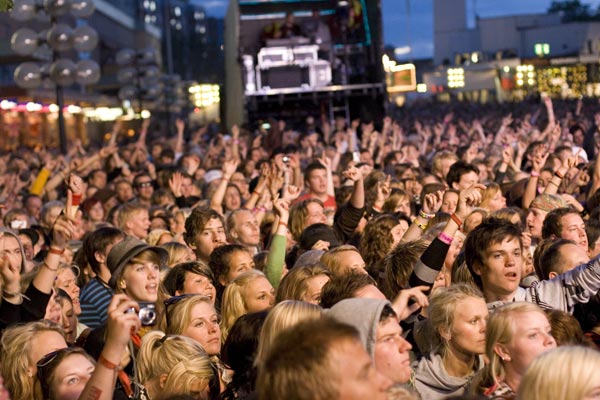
x,y
433,382
363,314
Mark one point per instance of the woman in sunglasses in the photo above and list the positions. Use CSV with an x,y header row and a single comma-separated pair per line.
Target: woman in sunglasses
x,y
70,373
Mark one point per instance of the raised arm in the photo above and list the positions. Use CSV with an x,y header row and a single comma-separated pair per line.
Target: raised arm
x,y
121,324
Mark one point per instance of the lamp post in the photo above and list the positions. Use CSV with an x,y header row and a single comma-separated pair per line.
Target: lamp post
x,y
48,47
140,72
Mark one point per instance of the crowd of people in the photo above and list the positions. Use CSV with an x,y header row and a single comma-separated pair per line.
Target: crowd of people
x,y
447,252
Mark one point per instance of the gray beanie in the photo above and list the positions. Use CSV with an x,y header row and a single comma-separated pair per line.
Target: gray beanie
x,y
364,315
125,251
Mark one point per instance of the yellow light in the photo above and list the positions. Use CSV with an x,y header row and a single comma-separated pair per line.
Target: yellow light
x,y
130,132
72,109
506,68
7,104
422,87
145,114
53,108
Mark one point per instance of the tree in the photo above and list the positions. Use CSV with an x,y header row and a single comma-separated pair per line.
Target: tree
x,y
6,5
572,10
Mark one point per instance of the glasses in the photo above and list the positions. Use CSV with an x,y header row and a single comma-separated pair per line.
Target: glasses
x,y
45,364
174,300
144,184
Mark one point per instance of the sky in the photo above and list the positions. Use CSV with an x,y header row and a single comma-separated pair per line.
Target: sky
x,y
416,29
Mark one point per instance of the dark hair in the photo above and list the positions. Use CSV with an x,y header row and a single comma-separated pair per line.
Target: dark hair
x,y
565,328
550,259
312,167
458,169
399,264
553,222
592,229
219,262
194,224
239,351
315,232
343,287
175,278
98,241
491,231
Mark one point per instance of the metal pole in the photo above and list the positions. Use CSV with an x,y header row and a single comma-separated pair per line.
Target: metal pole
x,y
62,131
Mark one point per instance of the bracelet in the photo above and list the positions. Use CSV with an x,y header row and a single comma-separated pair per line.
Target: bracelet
x,y
53,250
283,223
260,209
44,264
256,192
554,183
236,141
558,174
420,225
115,367
76,199
456,219
226,179
535,174
423,214
445,238
9,295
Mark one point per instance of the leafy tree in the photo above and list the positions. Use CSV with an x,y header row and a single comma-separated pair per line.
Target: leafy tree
x,y
6,5
572,10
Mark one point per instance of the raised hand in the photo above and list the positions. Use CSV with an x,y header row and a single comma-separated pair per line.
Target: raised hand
x,y
175,183
468,199
401,302
353,174
433,202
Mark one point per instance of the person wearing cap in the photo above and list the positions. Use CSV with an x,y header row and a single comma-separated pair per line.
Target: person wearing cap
x,y
539,208
134,266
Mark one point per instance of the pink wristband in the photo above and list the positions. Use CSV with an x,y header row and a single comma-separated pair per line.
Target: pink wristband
x,y
535,174
445,238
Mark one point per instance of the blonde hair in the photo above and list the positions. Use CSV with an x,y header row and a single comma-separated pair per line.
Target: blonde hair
x,y
500,329
442,309
177,251
332,259
233,304
567,372
293,285
180,358
179,315
488,194
299,217
283,316
14,356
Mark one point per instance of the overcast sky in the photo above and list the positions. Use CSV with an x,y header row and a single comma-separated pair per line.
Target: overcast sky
x,y
401,29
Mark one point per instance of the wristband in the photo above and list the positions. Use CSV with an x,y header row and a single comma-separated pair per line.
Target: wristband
x,y
76,199
260,209
53,250
226,179
47,266
424,215
445,238
457,220
115,367
257,193
9,295
535,174
420,225
283,223
558,174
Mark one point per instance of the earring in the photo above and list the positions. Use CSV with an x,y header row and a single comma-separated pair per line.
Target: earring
x,y
506,359
122,284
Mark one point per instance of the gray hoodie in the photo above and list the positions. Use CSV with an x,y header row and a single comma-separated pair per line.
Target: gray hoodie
x,y
8,232
363,314
433,382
